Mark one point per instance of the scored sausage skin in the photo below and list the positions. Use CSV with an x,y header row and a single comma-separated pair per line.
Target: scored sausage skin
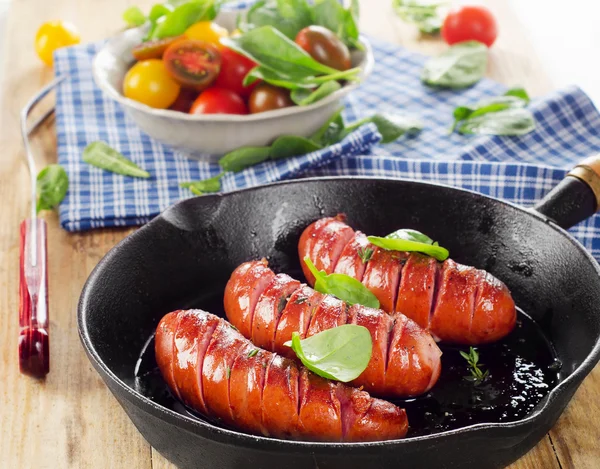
x,y
455,303
307,312
262,393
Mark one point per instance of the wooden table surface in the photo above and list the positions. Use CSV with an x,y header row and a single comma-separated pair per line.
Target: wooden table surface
x,y
70,420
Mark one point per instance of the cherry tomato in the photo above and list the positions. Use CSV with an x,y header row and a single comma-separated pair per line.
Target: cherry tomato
x,y
153,49
192,63
325,47
54,35
470,23
206,31
234,68
149,82
184,100
267,97
219,101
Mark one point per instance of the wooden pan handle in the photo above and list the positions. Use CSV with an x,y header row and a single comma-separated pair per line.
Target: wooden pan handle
x,y
576,197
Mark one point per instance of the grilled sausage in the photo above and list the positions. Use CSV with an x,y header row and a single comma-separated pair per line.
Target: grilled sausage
x,y
213,369
454,302
405,360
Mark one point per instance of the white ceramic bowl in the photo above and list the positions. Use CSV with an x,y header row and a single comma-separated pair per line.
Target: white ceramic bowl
x,y
202,135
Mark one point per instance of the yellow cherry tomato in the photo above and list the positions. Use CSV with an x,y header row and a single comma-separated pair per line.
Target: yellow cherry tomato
x,y
54,35
206,31
149,82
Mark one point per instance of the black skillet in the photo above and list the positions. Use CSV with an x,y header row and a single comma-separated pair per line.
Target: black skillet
x,y
184,257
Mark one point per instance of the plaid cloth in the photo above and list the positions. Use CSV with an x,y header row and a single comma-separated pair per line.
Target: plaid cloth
x,y
517,169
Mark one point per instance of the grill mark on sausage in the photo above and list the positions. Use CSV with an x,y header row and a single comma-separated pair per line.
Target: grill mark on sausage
x,y
177,393
439,276
478,291
202,347
390,338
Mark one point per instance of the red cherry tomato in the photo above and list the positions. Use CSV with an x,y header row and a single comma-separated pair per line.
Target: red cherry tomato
x,y
234,68
219,101
192,63
470,23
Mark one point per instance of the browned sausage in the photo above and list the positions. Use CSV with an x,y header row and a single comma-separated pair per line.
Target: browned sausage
x,y
212,368
405,360
456,303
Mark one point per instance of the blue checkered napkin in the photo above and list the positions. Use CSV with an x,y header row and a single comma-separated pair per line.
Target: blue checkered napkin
x,y
568,126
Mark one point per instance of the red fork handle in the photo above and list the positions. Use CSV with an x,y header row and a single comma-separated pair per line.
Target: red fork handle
x,y
34,356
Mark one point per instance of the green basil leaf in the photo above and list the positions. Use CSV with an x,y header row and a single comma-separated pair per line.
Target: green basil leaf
x,y
342,286
341,353
410,241
102,156
182,17
272,49
304,97
461,65
496,104
343,22
212,184
331,131
159,10
287,146
244,157
390,126
421,13
508,122
279,14
52,185
518,93
134,17
292,82
411,235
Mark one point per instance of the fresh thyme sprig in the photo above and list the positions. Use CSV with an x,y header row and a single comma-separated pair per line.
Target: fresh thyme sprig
x,y
478,375
365,254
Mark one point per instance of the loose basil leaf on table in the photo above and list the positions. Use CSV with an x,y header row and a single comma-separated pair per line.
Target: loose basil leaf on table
x,y
512,99
410,241
421,13
244,157
103,156
134,17
272,49
342,286
341,353
52,185
212,184
304,97
330,132
390,126
460,66
287,146
510,122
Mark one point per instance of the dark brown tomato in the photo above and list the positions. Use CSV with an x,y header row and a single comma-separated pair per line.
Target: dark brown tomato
x,y
267,97
184,101
325,47
153,49
192,63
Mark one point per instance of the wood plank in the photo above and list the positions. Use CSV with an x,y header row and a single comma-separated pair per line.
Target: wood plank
x,y
71,420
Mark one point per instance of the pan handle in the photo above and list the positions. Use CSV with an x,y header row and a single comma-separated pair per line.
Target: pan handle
x,y
576,197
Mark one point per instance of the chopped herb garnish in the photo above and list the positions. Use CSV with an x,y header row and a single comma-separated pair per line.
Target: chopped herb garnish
x,y
301,300
234,328
252,353
228,372
478,376
365,254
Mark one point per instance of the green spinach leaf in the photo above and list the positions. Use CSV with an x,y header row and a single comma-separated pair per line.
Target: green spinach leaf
x,y
276,13
52,185
341,353
287,146
390,126
406,240
134,17
460,66
508,122
304,97
183,16
244,157
331,131
421,13
212,184
342,286
103,156
272,49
